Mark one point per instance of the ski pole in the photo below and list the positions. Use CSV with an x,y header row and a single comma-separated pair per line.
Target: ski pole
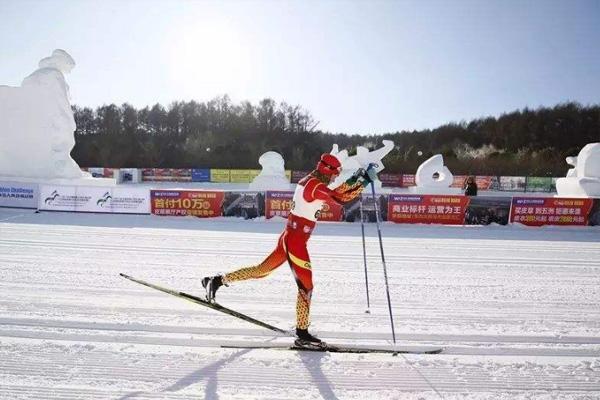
x,y
362,227
387,288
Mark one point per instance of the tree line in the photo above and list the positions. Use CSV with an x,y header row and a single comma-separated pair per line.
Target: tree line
x,y
221,134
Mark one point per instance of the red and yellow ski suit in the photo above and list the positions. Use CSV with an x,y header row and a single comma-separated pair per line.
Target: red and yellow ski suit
x,y
308,199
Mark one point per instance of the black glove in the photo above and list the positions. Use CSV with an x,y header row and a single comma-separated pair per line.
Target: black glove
x,y
371,173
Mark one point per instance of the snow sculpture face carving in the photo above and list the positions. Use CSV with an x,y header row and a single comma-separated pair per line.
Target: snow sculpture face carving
x,y
362,159
37,125
433,173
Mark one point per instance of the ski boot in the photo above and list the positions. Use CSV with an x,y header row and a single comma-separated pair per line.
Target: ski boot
x,y
305,339
212,284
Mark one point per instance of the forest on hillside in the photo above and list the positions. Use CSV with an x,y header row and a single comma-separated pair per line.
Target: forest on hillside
x,y
221,134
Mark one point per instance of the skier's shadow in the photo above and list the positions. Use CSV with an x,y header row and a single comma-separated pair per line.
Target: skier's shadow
x,y
208,373
312,361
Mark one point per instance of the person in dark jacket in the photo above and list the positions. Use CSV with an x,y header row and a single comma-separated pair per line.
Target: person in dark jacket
x,y
470,186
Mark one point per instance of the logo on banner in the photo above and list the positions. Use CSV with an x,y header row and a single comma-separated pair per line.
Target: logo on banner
x,y
53,196
106,197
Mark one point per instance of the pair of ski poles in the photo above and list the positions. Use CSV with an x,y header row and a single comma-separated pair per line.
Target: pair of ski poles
x,y
387,289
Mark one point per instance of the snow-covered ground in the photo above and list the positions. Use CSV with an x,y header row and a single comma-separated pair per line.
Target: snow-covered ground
x,y
517,310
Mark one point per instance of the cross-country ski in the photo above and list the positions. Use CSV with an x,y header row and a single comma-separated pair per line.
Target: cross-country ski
x,y
334,348
213,305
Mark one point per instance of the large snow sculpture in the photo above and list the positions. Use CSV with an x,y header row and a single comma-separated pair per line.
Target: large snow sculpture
x,y
272,176
37,125
433,177
583,180
362,159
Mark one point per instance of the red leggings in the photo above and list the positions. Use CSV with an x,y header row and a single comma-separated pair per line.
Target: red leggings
x,y
291,246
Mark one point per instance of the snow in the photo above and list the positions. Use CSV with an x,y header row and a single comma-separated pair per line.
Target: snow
x,y
515,308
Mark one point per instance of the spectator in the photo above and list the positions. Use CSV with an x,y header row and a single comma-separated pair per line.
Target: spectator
x,y
470,186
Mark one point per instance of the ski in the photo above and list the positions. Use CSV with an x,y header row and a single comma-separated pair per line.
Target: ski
x,y
330,348
214,306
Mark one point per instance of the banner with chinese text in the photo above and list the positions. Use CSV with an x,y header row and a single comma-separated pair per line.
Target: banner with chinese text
x,y
21,195
408,180
297,175
187,202
97,199
220,175
427,209
278,204
390,180
538,211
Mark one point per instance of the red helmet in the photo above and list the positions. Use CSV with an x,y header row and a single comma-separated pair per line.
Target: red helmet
x,y
329,165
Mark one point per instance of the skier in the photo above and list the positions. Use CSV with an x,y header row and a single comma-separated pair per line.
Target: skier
x,y
309,196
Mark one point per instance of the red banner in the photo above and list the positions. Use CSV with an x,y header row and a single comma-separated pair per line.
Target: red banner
x,y
280,203
390,180
408,180
331,211
538,211
297,175
187,202
427,209
167,174
483,182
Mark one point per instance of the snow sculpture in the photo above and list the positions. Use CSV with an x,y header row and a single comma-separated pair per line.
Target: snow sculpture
x,y
272,176
362,159
37,125
433,177
583,180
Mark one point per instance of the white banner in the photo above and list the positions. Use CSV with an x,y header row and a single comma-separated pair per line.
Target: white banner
x,y
94,199
21,195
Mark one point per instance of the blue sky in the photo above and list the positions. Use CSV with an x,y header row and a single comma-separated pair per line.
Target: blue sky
x,y
364,67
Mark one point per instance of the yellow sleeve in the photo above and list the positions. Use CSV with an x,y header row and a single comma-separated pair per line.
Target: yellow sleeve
x,y
348,190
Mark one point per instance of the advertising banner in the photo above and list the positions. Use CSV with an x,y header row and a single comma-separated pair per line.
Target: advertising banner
x,y
512,183
331,211
187,202
408,180
99,172
200,175
538,211
483,182
94,199
540,184
167,174
21,195
369,210
220,175
427,209
297,175
485,210
390,180
279,203
241,175
244,204
181,174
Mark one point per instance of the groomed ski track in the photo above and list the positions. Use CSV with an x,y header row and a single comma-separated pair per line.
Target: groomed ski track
x,y
516,309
